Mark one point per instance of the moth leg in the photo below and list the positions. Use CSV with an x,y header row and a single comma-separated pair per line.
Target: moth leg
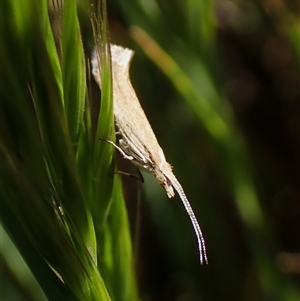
x,y
125,156
138,176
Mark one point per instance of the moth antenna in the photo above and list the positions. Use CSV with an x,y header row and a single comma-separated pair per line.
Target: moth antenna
x,y
189,210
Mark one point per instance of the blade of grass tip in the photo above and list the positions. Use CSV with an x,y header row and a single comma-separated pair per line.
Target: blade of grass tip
x,y
73,69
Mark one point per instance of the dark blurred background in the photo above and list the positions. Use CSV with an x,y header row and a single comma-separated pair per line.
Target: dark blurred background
x,y
244,57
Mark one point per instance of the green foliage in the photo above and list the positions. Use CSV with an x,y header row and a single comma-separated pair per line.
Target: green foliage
x,y
59,202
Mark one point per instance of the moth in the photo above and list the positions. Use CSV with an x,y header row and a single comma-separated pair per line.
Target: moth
x,y
137,142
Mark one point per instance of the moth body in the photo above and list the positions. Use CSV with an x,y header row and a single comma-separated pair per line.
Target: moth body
x,y
137,141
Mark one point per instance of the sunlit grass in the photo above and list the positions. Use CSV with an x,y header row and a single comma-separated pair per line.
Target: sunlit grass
x,y
58,197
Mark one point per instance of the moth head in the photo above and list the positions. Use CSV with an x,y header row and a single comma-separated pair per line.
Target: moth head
x,y
165,183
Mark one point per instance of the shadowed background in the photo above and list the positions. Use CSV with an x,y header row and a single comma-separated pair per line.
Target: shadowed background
x,y
242,60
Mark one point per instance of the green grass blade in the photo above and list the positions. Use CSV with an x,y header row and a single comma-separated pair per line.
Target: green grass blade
x,y
74,71
59,197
